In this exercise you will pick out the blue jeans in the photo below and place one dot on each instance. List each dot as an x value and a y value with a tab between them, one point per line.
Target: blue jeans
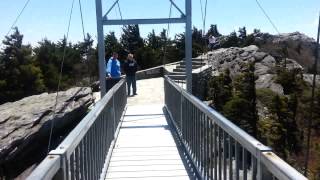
131	81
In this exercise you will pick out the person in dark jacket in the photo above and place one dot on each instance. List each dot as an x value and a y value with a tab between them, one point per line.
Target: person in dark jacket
130	68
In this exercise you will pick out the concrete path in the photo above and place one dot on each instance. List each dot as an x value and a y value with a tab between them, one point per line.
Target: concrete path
150	91
146	148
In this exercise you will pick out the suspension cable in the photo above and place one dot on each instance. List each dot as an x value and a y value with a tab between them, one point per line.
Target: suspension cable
204	19
83	32
267	16
166	39
119	9
17	18
87	52
60	76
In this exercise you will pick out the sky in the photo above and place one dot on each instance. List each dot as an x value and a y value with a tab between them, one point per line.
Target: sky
49	19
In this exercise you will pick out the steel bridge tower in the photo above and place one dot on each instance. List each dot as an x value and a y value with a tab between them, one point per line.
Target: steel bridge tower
102	20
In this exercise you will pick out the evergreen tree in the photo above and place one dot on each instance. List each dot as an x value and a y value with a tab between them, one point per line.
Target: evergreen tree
242	33
256	31
20	76
154	41
281	113
131	39
111	45
213	30
220	90
244	91
47	56
231	40
242	36
88	66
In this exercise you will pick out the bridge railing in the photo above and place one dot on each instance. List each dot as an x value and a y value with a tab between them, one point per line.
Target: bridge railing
85	152
217	148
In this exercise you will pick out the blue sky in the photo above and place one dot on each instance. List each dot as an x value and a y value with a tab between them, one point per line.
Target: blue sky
49	18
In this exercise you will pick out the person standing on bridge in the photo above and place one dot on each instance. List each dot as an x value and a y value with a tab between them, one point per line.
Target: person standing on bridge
113	71
130	68
212	42
113	66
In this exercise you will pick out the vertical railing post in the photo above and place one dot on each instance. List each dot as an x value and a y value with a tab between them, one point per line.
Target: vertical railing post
263	173
114	115
181	112
63	172
101	49
188	45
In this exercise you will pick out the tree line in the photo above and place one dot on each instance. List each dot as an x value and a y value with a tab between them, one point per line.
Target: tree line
27	70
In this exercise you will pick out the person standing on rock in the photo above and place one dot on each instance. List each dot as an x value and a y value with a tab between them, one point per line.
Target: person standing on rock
212	42
130	68
113	71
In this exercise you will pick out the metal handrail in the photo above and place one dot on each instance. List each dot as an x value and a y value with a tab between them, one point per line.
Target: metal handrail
80	155
218	148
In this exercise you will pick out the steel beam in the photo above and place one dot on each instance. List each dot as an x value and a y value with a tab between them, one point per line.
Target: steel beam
105	16
174	4
188	45
143	21
101	49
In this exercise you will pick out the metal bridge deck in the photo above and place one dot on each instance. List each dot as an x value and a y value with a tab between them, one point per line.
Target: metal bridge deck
146	148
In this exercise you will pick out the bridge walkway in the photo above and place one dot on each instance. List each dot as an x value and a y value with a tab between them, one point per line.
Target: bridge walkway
145	147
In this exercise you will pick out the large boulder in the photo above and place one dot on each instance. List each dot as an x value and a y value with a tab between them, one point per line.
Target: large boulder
294	45
26	124
236	60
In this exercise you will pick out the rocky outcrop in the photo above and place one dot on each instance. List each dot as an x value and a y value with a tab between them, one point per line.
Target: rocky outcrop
236	60
295	46
26	124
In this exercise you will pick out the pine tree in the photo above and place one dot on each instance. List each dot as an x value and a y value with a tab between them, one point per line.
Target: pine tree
131	39
220	90
242	36
111	44
154	41
242	33
213	30
244	86
46	55
20	77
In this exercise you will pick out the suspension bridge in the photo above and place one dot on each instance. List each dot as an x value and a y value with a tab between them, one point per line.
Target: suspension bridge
163	133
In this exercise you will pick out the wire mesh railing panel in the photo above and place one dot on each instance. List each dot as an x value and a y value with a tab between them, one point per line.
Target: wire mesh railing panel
84	151
219	149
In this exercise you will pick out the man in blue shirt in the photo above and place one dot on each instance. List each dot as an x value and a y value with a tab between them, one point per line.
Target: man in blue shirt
113	66
113	71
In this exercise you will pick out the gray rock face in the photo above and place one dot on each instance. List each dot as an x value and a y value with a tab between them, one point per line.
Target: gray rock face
236	60
300	47
309	79
25	126
267	81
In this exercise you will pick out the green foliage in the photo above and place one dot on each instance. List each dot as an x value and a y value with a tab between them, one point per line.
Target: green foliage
231	40
242	34
111	44
213	30
147	57
244	89
238	110
220	90
273	133
154	41
131	40
288	80
20	76
266	96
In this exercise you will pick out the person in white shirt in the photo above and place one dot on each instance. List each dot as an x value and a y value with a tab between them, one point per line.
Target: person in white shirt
212	42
